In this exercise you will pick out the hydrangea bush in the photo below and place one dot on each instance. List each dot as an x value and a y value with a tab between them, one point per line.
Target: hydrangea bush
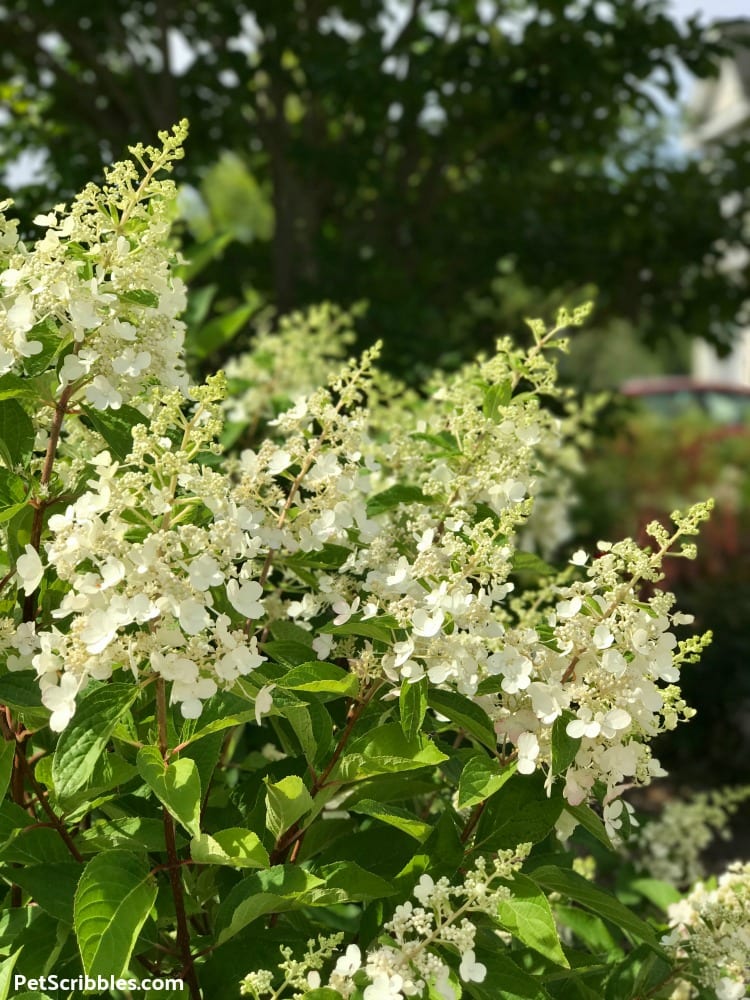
295	704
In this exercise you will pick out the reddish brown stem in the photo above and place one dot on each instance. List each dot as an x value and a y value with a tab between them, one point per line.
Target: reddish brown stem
175	880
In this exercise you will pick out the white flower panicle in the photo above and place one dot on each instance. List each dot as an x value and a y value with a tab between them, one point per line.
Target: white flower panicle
410	959
95	295
710	936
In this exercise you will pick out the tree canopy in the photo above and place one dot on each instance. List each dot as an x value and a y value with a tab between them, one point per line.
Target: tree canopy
400	150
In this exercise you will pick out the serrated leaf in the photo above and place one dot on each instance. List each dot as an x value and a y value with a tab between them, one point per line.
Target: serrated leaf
520	812
374	628
14	494
528	917
480	778
588	928
16	433
116	427
591	822
52	885
358	884
318	677
20	690
661	894
394	816
385	750
288	653
84	741
7	756
576	887
393	496
178	786
16	387
412	705
6	974
275	890
465	714
504	979
564	747
234	847
286	802
529	562
113	900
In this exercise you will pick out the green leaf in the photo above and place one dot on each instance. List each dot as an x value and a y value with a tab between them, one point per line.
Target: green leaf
579	889
286	802
177	786
16	434
116	427
412	704
481	777
520	812
465	714
529	562
528	917
84	741
374	628
356	883
401	819
289	653
48	335
16	387
589	928
7	756
591	823
14	494
393	496
638	975
661	894
504	979
564	747
385	750
496	398
51	885
320	678
113	900
220	330
275	890
235	847
20	690
140	297
6	974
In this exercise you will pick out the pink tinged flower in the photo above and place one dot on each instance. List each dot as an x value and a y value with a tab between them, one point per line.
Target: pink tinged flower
245	598
193	616
205	573
470	970
528	751
427	625
263	702
29	570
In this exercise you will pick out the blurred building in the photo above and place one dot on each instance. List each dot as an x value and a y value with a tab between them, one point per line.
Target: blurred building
719	111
